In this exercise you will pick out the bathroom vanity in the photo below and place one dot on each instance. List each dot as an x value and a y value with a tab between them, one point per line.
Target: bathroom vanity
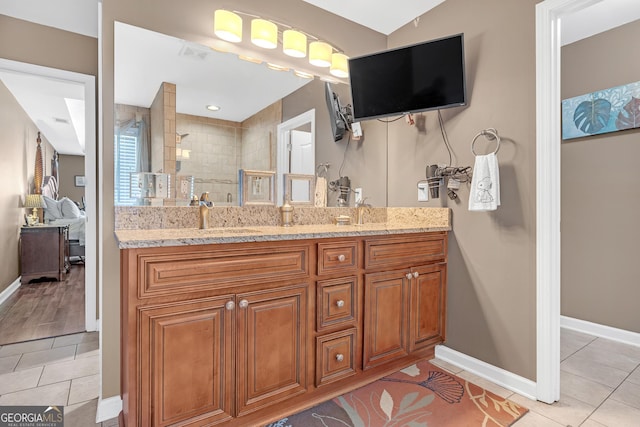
248	326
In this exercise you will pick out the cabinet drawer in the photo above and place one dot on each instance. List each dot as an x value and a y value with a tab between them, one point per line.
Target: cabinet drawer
337	257
336	302
405	251
335	356
188	271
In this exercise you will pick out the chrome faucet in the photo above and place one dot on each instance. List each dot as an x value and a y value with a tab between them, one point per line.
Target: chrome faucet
205	205
360	208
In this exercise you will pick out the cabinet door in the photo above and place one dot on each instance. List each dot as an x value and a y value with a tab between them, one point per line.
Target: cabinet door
272	347
386	298
186	363
428	305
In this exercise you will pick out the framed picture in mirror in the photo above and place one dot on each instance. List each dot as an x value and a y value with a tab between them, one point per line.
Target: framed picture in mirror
299	188
257	187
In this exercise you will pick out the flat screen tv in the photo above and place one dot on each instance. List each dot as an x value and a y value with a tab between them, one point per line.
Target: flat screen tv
425	76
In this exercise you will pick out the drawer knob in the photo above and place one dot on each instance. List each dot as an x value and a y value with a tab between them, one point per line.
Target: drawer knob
340	303
339	357
409	276
230	305
244	303
416	274
341	257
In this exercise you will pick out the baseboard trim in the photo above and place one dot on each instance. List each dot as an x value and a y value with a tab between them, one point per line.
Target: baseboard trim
496	375
602	331
9	290
108	408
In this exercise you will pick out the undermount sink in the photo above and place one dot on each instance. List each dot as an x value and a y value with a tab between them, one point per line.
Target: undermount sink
231	230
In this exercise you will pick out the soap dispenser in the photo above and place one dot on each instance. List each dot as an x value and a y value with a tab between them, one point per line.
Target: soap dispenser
286	213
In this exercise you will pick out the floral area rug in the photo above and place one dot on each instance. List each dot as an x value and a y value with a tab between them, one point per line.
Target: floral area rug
422	395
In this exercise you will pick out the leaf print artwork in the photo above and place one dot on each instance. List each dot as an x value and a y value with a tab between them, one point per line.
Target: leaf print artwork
592	116
629	116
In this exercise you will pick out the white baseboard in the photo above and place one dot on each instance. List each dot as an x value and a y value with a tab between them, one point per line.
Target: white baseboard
108	408
496	375
598	330
4	295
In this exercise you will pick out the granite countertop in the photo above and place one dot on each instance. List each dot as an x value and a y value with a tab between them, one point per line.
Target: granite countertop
193	236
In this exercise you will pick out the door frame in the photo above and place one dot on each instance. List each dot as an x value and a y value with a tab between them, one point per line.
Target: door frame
90	172
284	130
548	98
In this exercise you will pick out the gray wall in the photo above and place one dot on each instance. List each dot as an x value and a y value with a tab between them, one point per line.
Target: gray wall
69	168
491	276
600	202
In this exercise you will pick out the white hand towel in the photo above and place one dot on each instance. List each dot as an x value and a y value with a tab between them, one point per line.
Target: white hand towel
321	192
485	185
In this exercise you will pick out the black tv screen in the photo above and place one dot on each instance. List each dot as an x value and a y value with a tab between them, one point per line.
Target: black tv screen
425	76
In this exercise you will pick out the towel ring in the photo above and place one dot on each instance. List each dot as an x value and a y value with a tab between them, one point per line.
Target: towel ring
490	134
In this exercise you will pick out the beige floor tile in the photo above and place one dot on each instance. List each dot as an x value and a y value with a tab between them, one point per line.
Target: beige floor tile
69	370
533	419
594	371
25	347
635	376
446	366
81	414
592	423
616	414
21	380
487	385
619	360
87	349
572	341
567	411
583	389
45	357
628	393
85	388
616	347
76	339
8	364
53	394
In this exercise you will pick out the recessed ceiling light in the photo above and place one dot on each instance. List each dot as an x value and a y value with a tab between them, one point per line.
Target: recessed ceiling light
213	107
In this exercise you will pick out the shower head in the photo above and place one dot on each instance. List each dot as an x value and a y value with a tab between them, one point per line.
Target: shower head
179	136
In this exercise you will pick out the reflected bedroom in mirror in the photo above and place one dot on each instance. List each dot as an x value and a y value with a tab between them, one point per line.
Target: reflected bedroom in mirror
189	118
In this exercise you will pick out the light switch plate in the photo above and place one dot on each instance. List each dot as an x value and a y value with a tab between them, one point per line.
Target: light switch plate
423	192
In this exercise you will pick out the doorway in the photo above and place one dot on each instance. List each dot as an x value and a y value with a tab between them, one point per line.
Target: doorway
86	85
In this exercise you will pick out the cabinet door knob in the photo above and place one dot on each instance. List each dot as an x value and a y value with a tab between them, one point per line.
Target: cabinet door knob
230	305
339	357
341	257
416	274
243	303
409	276
340	303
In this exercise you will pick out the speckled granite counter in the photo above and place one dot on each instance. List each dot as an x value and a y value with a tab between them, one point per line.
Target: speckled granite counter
397	220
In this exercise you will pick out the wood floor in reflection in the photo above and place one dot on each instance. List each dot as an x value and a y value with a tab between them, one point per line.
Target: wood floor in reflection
44	309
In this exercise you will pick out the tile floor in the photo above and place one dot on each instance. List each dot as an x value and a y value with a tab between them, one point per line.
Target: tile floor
54	371
599	385
600	381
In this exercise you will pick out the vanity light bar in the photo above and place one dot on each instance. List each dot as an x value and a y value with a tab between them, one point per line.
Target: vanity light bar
228	26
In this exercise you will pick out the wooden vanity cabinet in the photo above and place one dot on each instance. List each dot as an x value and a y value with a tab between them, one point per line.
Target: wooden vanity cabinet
247	333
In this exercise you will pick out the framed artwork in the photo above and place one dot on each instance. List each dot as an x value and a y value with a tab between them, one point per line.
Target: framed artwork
79	180
604	111
257	187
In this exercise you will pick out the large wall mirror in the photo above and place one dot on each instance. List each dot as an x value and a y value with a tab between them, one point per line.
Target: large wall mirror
168	145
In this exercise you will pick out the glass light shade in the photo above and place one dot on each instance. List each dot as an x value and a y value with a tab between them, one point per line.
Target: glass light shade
264	33
339	65
320	54
186	154
228	26
294	43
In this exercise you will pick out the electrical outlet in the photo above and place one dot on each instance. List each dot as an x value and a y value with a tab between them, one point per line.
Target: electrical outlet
423	192
358	192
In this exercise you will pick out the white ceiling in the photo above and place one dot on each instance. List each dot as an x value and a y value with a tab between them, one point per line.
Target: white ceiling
80	16
144	59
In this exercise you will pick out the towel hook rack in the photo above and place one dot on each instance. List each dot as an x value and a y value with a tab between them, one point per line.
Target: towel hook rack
322	170
489	133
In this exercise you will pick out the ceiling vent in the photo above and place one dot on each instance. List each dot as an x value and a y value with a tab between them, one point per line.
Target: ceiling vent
59	120
190	50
